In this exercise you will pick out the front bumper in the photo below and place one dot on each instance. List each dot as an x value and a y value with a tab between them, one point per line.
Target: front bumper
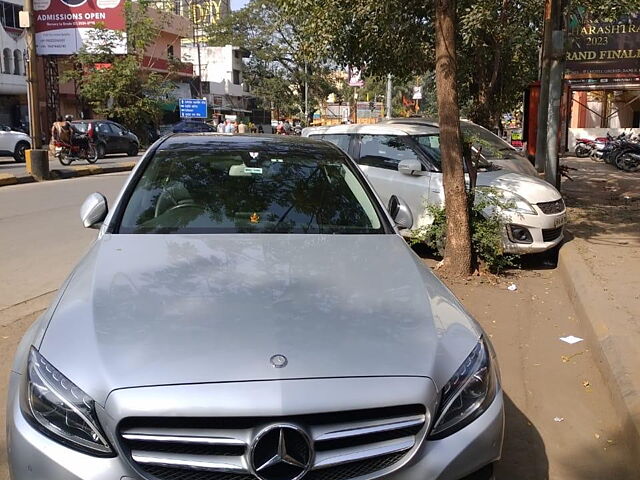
547	231
33	456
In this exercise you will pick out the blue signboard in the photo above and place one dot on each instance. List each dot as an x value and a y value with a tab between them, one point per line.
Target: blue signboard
193	108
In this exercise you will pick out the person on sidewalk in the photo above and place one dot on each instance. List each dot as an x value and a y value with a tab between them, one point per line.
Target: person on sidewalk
220	127
242	128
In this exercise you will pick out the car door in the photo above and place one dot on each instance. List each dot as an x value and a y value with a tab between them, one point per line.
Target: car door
7	140
379	157
120	141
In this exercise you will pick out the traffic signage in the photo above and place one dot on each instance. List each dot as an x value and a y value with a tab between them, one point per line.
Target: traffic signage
193	108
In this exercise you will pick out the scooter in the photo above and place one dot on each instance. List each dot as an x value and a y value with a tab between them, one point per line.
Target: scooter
83	149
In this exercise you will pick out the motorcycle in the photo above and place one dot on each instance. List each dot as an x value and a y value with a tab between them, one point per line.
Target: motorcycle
82	149
585	146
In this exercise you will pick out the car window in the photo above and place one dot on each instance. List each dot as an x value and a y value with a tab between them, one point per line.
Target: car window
280	191
385	151
116	129
81	126
340	141
103	128
430	144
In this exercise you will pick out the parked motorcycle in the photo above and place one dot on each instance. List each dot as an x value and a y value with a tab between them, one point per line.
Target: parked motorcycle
82	149
585	146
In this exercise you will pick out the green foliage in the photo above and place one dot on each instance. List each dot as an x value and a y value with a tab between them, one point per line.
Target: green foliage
116	86
280	50
487	227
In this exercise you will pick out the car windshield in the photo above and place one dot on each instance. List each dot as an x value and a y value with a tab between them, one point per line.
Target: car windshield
492	146
81	126
302	190
430	144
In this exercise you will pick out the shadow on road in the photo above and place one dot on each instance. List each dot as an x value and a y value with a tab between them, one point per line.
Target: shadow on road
524	455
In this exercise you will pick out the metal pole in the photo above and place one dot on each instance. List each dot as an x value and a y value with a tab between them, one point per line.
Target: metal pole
306	95
389	94
543	100
32	80
555	98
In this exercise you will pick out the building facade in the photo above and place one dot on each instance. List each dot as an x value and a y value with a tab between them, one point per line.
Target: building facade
13	85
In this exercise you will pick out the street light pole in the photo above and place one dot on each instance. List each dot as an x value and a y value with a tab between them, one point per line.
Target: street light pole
306	94
389	94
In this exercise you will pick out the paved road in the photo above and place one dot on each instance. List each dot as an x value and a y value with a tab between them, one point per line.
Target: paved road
8	165
42	237
543	378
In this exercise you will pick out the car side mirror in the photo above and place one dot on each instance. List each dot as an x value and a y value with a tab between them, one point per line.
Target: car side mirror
400	213
94	210
410	167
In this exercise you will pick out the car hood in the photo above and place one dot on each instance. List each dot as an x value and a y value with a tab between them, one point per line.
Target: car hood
532	189
143	310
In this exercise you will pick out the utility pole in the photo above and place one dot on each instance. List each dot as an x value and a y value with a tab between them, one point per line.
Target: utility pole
32	76
37	159
543	102
389	94
306	94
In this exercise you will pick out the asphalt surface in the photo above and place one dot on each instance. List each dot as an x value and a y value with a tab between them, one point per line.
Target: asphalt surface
8	165
559	417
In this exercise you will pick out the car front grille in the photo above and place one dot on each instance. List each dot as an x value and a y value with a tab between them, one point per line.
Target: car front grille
361	443
551	234
551	208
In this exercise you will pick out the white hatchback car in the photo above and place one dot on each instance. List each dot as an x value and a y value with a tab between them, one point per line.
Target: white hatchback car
14	143
404	160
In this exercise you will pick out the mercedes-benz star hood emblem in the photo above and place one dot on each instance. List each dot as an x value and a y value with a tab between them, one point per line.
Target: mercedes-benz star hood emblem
281	452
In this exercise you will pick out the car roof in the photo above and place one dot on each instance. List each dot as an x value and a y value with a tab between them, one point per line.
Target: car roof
375	129
189	141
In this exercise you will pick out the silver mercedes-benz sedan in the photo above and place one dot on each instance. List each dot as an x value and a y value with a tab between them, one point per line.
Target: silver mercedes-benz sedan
249	311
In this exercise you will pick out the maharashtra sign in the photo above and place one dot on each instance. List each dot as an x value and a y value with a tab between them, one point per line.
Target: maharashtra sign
64	26
193	108
604	50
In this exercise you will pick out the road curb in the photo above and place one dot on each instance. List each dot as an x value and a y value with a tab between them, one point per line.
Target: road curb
7	179
608	330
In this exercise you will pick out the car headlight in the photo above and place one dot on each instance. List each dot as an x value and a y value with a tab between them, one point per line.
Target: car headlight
467	394
61	410
507	200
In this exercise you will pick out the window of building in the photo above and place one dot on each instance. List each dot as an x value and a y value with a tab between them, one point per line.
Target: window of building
6	61
236	77
17	62
9	14
170	52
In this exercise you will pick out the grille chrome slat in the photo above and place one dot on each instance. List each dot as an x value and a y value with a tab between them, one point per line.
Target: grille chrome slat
353	454
179	437
346	430
212	463
346	444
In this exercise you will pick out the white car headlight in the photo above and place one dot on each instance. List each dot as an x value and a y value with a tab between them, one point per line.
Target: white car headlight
467	394
512	201
61	410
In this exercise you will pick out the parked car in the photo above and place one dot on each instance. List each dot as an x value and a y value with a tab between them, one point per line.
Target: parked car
109	137
188	126
404	160
250	311
487	144
14	143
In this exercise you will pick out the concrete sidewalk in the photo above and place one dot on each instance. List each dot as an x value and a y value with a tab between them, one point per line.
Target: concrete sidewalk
71	171
600	263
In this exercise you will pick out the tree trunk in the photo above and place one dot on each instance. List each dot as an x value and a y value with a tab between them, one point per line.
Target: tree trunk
458	256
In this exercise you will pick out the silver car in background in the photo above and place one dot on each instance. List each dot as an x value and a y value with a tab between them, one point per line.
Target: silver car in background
249	311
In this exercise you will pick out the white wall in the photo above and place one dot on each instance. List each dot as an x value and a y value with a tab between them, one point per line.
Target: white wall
593	133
